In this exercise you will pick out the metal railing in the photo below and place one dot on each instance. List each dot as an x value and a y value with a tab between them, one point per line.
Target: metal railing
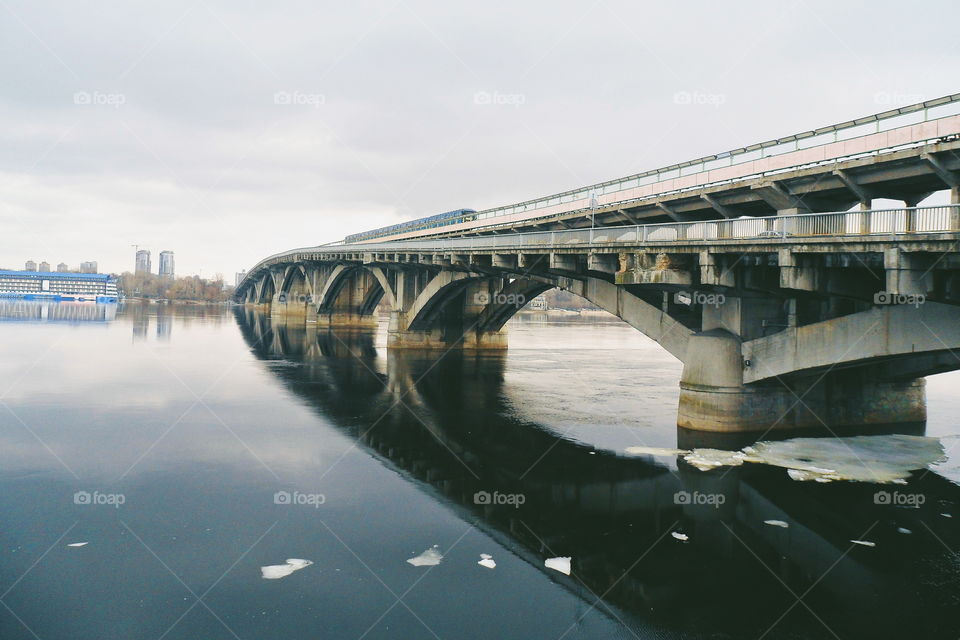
836	224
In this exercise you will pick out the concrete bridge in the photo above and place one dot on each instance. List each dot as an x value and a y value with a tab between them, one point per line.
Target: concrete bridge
809	320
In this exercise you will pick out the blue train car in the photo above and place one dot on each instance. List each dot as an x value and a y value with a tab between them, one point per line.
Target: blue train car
430	222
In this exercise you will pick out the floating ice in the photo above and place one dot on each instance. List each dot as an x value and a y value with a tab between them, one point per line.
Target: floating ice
882	459
486	560
776	523
654	451
277	571
561	564
429	558
706	459
682	537
78	544
946	515
903	530
886	459
865	543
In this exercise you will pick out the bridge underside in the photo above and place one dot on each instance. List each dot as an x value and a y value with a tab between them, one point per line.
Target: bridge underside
772	335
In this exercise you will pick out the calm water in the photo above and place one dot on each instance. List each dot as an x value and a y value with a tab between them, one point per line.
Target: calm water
173	442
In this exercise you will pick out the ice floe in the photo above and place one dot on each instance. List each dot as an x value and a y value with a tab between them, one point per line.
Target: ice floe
486	560
654	451
561	564
865	543
682	537
277	571
78	544
882	459
706	459
776	523
429	558
903	530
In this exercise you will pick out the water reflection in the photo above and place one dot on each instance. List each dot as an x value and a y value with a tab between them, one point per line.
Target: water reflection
51	311
444	424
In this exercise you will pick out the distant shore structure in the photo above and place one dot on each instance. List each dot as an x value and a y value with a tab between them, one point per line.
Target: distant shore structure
166	264
54	285
142	264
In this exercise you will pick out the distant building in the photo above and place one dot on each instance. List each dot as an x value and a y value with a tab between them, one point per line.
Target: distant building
32	285
45	266
539	302
30	266
240	275
166	263
143	261
88	267
63	267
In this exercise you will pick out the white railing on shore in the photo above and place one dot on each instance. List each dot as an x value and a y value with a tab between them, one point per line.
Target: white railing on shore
838	224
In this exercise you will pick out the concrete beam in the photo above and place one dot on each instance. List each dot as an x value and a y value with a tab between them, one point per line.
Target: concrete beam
882	332
861	192
778	197
949	178
723	210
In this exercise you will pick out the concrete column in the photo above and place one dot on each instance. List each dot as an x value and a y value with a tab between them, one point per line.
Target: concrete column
866	217
713	397
955	213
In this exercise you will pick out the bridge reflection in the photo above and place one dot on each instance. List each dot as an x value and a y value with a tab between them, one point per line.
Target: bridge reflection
443	423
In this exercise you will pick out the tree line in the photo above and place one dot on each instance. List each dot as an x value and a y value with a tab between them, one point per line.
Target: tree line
150	285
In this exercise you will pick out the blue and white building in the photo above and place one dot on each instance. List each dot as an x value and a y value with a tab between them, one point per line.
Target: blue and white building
56	285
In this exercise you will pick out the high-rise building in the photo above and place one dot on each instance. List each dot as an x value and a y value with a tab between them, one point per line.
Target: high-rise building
63	267
239	276
166	263
30	266
143	261
88	267
44	266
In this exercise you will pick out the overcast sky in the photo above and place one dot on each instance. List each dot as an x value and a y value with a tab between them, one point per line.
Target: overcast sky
229	130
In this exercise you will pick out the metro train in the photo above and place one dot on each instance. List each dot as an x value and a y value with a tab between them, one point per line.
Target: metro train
420	224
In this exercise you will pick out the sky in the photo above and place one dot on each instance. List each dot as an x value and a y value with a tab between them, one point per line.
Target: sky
229	130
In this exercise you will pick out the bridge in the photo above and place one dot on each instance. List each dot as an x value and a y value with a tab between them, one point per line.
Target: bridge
792	320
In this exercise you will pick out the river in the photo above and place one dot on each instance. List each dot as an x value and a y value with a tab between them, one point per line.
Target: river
161	464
